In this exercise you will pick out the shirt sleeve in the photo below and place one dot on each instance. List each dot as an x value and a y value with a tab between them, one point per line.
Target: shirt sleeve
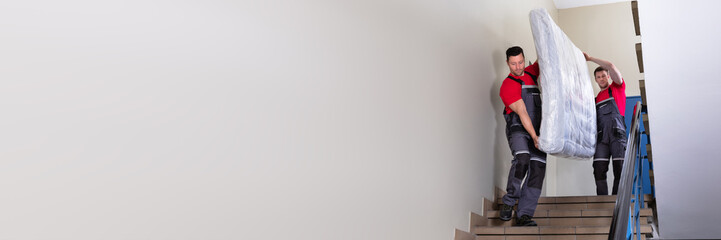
619	93
619	87
533	69
510	92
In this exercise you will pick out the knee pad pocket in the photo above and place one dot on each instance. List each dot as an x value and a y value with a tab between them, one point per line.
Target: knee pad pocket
617	168
538	173
522	161
600	168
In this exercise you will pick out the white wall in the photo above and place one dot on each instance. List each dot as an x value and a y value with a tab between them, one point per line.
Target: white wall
252	120
605	31
564	4
680	41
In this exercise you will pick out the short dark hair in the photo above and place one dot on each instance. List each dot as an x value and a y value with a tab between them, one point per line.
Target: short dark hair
598	69
514	51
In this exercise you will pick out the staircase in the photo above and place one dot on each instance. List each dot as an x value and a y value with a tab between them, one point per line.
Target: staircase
561	218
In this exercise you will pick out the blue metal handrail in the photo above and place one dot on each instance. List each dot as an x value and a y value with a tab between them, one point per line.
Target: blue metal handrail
630	190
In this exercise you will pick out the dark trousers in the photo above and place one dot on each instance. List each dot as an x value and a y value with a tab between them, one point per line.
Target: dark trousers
600	168
529	163
615	150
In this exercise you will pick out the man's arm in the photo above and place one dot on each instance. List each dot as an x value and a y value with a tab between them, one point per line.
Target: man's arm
612	70
519	107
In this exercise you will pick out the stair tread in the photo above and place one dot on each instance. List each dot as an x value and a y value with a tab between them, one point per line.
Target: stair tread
645	212
566	217
560	222
548	237
548	230
576	206
642	87
579	199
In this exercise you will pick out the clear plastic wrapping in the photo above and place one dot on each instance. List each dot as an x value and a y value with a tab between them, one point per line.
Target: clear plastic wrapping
568	128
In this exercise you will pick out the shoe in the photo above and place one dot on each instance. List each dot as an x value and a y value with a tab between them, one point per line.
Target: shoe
525	220
506	212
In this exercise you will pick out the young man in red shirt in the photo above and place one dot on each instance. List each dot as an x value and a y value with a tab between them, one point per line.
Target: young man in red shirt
610	111
522	98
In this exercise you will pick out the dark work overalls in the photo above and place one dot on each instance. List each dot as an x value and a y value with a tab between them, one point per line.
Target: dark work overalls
610	143
527	160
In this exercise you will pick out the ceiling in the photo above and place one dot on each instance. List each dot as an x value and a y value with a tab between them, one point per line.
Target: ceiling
563	4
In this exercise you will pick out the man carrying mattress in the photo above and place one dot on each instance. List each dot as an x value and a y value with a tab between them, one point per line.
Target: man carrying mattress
521	96
611	138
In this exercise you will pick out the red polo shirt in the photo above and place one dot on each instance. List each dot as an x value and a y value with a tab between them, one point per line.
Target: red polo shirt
511	90
619	95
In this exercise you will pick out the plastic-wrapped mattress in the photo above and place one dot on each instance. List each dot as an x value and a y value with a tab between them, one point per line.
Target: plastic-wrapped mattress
568	128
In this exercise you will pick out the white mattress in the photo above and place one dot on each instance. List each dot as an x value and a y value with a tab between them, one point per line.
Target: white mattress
568	128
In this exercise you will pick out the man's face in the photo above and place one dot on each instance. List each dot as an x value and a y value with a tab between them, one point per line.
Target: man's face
602	79
516	64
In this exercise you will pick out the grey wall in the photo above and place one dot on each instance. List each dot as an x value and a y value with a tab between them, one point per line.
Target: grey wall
680	45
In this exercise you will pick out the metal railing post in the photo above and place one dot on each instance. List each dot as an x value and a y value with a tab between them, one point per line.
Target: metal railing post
622	212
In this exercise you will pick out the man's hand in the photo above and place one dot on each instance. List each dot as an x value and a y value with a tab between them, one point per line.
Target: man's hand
612	70
535	141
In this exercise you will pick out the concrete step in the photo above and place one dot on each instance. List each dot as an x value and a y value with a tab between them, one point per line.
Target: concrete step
575	203
573	206
578	199
639	57
541	213
642	87
573	221
645	124
634	13
549	230
548	237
